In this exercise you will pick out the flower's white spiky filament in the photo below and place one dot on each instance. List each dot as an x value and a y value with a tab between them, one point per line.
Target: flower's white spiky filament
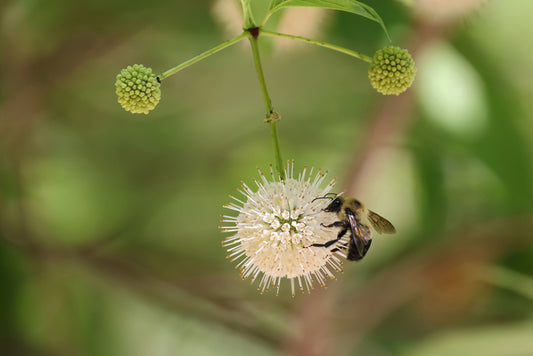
274	227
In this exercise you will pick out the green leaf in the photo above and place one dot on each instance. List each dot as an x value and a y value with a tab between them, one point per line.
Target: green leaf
249	21
352	6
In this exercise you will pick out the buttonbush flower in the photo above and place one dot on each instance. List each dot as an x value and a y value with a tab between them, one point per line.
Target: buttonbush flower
138	89
276	223
392	70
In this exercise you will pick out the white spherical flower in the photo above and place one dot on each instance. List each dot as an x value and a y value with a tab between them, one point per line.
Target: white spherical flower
275	226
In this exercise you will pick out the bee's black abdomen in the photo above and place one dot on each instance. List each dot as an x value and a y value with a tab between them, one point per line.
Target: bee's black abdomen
353	254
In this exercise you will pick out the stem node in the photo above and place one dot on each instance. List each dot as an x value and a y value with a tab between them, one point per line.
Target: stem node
254	31
274	116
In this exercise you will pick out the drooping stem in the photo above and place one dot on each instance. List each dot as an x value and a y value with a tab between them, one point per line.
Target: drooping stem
270	116
319	43
199	57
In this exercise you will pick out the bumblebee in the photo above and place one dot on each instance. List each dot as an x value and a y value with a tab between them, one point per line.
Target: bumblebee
354	216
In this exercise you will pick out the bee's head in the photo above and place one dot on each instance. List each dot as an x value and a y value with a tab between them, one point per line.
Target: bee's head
335	205
336	202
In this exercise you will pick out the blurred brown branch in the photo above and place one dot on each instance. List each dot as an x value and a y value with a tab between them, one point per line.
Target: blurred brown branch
392	120
452	265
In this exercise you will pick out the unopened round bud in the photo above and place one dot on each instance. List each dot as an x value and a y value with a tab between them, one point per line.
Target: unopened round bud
392	70
138	89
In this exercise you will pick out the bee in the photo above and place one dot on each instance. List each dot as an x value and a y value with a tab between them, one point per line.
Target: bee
354	216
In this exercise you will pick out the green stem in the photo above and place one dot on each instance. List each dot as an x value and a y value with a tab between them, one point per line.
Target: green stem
199	57
277	150
268	105
319	43
247	14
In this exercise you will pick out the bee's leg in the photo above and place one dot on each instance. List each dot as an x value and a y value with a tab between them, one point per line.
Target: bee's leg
331	242
343	224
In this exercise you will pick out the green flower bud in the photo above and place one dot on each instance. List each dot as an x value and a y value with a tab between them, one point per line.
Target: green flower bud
392	70
138	89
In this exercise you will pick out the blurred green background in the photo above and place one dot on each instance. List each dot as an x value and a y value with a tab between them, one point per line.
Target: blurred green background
109	240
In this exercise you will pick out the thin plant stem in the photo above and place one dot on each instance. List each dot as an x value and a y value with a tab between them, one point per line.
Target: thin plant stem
247	14
199	57
319	43
270	118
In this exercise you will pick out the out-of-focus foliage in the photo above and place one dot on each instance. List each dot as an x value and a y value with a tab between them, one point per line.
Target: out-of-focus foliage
109	242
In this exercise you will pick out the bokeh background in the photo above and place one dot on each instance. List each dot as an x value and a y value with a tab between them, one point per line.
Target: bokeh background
109	240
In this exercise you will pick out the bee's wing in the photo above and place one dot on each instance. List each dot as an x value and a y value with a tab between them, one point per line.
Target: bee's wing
380	224
357	237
